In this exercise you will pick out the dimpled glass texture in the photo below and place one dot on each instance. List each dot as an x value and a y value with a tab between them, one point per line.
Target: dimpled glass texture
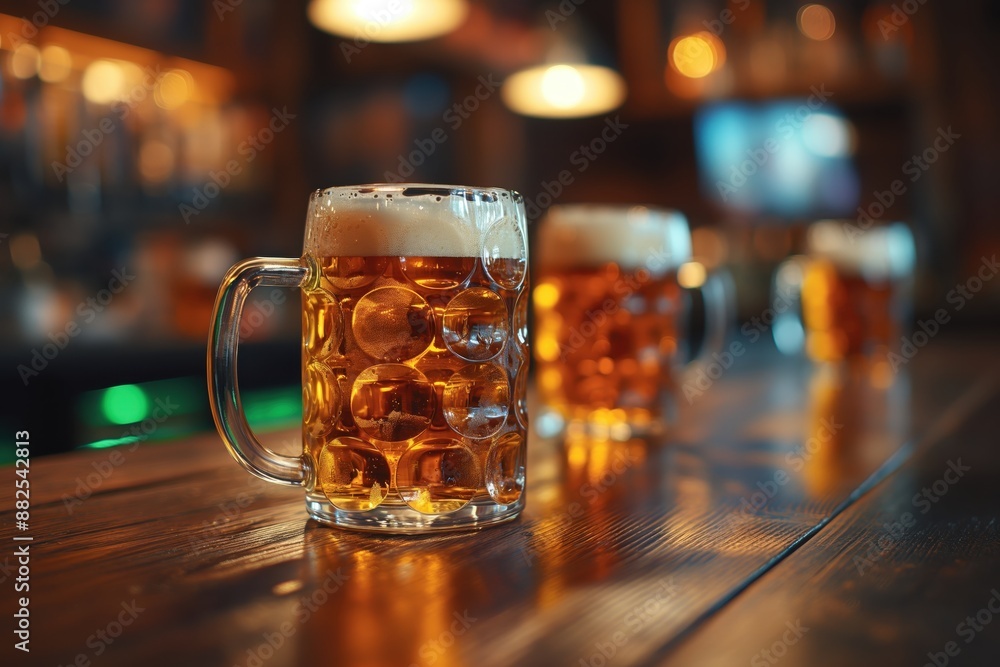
414	361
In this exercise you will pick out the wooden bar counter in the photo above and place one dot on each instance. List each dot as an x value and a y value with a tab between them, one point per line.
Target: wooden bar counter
794	515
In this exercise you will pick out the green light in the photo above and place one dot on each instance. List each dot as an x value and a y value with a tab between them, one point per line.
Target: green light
104	444
273	407
125	404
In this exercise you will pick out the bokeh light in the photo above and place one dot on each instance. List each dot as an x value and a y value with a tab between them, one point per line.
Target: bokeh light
563	86
564	91
696	56
827	135
25	61
57	63
173	89
103	81
816	22
387	20
546	295
25	251
156	161
124	404
710	245
691	275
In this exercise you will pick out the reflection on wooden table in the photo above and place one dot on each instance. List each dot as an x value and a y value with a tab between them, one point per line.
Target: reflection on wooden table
628	551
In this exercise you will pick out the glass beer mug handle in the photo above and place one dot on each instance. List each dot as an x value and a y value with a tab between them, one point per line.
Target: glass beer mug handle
719	296
223	390
788	328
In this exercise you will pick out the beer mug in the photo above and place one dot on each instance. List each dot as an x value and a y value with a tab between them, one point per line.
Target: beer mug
611	318
850	296
414	358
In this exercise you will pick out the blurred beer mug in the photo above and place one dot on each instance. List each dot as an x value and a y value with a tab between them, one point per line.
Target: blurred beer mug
611	318
414	358
850	296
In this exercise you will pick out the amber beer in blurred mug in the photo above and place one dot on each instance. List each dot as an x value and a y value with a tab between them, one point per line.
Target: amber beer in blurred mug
611	318
414	358
850	295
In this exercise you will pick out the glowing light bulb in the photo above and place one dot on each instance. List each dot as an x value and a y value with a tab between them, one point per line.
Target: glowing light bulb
562	86
387	20
564	91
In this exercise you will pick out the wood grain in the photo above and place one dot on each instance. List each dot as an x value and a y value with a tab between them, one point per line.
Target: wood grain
645	539
892	580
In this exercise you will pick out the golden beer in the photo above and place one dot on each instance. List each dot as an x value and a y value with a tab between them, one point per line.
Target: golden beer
414	371
414	358
846	315
855	292
608	316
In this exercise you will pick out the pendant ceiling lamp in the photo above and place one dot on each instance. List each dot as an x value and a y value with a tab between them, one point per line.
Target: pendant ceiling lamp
573	82
388	20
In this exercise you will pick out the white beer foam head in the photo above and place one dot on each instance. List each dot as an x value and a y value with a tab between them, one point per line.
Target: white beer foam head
879	253
632	236
413	219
